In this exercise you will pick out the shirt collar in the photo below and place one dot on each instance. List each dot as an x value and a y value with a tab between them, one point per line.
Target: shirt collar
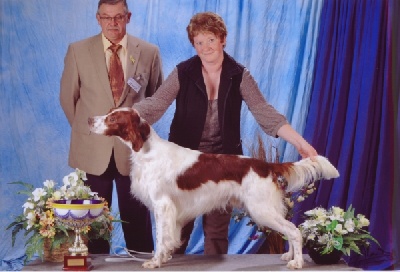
107	43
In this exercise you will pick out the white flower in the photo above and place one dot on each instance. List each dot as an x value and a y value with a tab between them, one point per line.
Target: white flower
28	205
317	212
323	220
82	174
57	195
337	214
320	213
31	216
63	189
310	212
69	194
309	223
311	185
339	229
94	195
323	239
71	179
49	184
311	236
349	225
337	211
38	193
300	199
362	221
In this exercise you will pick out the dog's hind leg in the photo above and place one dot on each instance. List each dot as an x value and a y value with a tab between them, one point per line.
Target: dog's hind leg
274	220
166	234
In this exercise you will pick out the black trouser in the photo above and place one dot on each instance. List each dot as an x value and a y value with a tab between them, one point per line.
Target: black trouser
137	232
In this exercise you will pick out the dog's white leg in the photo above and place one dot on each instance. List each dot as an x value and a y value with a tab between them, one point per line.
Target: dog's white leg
166	240
295	245
288	256
277	222
295	255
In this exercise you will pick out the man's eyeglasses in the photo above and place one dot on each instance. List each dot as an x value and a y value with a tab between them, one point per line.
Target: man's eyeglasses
119	18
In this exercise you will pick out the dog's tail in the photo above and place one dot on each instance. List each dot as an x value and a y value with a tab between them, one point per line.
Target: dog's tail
307	171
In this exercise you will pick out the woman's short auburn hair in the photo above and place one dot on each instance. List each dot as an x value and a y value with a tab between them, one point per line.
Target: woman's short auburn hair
206	22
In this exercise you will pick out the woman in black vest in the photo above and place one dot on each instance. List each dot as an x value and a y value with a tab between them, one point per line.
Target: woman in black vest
209	89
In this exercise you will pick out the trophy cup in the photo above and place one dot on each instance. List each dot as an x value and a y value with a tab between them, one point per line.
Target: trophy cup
77	214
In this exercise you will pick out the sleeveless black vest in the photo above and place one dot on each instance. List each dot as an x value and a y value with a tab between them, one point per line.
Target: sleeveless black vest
192	102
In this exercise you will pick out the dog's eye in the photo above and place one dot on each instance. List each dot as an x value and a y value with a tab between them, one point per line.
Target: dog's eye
112	119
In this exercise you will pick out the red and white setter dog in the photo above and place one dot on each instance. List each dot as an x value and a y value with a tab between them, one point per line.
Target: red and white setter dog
179	184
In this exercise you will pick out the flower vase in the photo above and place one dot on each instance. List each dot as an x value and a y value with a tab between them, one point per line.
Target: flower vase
55	254
330	258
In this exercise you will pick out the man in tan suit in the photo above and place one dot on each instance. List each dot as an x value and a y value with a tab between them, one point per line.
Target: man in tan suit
85	91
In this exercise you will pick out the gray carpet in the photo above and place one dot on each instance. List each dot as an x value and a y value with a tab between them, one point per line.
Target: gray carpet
244	262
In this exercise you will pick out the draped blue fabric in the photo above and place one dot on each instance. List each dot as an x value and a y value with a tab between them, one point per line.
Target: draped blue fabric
338	51
350	118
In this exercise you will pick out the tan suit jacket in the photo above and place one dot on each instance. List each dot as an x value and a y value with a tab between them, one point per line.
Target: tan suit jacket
85	91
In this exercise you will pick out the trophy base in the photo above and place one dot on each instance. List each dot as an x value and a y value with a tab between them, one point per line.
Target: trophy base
77	263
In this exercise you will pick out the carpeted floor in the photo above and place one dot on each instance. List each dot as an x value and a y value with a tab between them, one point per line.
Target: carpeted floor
244	262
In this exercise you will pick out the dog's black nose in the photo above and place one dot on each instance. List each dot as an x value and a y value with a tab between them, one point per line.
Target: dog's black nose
90	121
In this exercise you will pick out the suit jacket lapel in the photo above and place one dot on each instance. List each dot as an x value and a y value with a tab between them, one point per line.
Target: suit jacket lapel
99	60
133	54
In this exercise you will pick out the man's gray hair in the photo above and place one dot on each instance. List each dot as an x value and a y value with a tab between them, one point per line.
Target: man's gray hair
112	2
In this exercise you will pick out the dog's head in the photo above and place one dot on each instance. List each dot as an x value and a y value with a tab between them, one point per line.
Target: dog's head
124	123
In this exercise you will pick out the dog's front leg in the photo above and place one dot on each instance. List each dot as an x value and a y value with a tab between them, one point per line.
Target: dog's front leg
165	218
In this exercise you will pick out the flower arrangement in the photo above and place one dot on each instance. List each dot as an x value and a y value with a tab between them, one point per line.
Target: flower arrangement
38	219
335	229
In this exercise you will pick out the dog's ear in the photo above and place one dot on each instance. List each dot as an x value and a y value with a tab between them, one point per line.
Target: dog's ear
144	130
139	131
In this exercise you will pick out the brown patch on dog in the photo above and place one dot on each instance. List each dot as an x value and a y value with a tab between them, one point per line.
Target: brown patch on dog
128	126
218	168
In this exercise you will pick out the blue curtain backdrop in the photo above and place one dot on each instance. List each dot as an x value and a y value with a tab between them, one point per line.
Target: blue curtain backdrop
329	66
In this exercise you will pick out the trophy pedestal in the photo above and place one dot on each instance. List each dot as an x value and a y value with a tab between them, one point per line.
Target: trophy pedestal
77	214
77	263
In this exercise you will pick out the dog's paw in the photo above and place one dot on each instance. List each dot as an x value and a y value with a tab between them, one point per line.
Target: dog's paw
151	264
166	258
295	264
287	256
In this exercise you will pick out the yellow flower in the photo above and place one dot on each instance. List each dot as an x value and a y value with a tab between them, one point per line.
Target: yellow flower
86	229
49	233
289	202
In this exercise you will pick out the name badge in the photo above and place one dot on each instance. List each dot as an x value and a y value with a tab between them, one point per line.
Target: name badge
134	84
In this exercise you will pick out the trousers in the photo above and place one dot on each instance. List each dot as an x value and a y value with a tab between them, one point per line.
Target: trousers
136	227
